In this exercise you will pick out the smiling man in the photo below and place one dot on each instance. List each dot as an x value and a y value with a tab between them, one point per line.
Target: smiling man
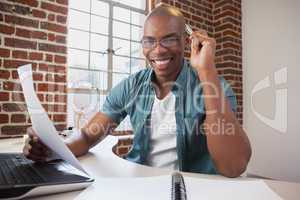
181	112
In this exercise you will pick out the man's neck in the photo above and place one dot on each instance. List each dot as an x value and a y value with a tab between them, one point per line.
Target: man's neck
162	92
165	84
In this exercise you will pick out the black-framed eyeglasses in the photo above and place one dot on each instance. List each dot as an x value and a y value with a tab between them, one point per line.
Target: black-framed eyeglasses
149	43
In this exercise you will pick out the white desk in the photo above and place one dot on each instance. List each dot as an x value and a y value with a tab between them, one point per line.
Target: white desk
102	162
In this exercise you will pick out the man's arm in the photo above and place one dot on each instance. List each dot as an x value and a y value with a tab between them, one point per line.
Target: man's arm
95	131
228	144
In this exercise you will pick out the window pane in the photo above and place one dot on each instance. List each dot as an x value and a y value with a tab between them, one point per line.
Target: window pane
80	5
75	76
121	30
137	4
99	43
121	64
99	8
78	39
136	33
79	20
99	79
78	58
121	14
84	102
137	65
136	50
98	61
121	47
118	78
137	18
99	25
86	79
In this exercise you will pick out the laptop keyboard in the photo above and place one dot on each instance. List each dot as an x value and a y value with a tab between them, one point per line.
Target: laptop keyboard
19	170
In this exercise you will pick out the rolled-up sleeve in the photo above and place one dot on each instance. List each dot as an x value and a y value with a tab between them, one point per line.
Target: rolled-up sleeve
116	101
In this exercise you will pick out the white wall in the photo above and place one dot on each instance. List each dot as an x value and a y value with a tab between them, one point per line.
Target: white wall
271	41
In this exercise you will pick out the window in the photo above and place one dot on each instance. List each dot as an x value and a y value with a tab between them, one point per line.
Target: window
103	43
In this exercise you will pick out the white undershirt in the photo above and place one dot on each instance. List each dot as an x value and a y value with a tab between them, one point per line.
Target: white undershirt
163	134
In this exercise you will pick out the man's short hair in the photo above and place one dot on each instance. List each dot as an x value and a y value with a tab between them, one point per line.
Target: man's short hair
163	9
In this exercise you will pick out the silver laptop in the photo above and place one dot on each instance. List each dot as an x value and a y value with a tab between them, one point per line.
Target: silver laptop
20	177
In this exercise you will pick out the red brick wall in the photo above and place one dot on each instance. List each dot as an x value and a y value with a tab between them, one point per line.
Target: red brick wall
228	33
124	144
222	20
32	31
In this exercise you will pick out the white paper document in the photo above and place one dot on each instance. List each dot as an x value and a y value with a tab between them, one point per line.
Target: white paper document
150	188
206	189
41	123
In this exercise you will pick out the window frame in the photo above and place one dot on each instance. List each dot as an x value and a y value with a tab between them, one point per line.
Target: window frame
110	51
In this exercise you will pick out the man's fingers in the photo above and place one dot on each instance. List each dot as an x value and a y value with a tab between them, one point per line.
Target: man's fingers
30	149
199	36
36	158
202	37
38	147
197	39
202	32
38	152
34	140
28	152
195	46
35	150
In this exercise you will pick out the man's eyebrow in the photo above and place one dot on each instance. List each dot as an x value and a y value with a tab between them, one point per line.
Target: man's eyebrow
170	35
166	36
148	38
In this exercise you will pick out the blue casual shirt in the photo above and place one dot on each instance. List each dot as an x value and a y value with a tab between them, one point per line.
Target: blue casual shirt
134	96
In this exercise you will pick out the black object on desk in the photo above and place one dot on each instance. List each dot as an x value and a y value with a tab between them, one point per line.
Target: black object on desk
20	177
178	187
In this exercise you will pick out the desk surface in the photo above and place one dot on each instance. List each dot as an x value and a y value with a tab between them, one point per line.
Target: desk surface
102	162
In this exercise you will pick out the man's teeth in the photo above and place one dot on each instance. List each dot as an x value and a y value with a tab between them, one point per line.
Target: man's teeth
162	62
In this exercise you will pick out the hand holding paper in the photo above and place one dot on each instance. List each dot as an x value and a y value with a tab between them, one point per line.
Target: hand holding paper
41	123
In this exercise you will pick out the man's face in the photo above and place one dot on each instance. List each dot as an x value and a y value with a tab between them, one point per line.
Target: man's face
165	57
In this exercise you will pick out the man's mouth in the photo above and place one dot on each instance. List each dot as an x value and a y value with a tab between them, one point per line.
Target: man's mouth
161	63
